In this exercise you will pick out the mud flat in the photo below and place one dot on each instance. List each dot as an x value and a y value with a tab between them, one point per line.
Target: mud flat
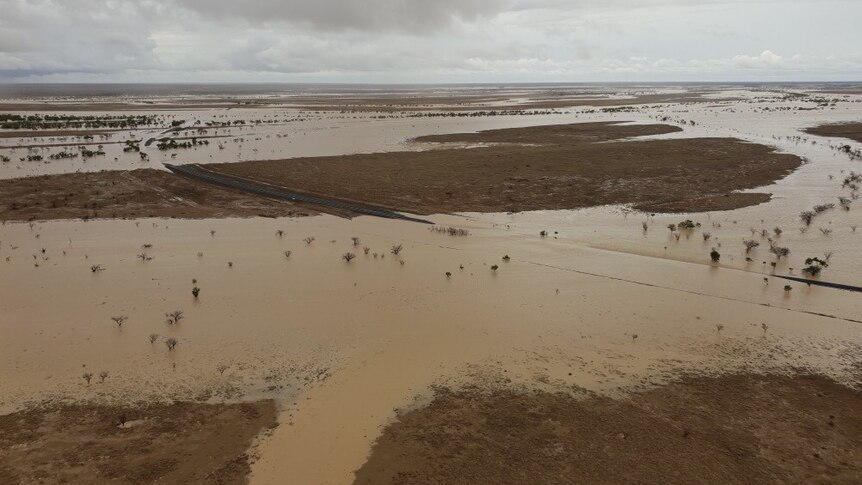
150	443
852	131
551	167
730	429
130	194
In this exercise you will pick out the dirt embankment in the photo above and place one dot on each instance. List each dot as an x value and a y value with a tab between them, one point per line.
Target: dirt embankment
852	131
546	167
159	443
129	194
727	430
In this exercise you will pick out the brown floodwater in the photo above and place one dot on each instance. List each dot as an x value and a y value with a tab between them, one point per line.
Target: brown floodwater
597	304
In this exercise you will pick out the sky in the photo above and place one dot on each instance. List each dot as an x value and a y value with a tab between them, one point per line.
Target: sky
430	41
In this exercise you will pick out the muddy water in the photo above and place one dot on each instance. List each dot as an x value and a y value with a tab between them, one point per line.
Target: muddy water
597	304
283	132
343	344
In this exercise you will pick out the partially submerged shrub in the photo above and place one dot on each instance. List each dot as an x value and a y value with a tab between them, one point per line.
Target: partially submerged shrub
120	320
96	268
813	266
171	343
749	245
715	255
196	291
687	225
396	250
779	251
88	376
348	256
494	267
174	317
153	337
102	376
309	240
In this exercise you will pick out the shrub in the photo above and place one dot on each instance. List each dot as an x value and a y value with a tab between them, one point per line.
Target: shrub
807	217
749	245
174	317
814	266
687	224
779	251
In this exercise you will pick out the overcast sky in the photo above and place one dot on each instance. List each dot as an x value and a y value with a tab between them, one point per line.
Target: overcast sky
429	40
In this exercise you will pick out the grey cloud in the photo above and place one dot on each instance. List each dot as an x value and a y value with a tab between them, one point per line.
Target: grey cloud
378	15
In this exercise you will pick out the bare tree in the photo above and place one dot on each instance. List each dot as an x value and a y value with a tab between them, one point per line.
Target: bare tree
174	317
749	245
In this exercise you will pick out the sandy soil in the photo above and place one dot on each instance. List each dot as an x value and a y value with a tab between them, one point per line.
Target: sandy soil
731	429
549	167
852	131
129	194
152	443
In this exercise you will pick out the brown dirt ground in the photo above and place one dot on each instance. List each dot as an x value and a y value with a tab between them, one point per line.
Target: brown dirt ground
566	168
852	131
130	194
171	443
727	430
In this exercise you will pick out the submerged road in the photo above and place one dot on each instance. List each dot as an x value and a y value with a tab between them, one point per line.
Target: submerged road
200	173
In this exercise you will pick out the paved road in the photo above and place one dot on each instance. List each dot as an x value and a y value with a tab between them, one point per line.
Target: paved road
200	173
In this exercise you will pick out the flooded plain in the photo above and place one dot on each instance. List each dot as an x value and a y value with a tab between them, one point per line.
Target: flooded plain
604	299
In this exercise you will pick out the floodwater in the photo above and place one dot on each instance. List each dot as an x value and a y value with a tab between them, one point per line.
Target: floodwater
598	303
